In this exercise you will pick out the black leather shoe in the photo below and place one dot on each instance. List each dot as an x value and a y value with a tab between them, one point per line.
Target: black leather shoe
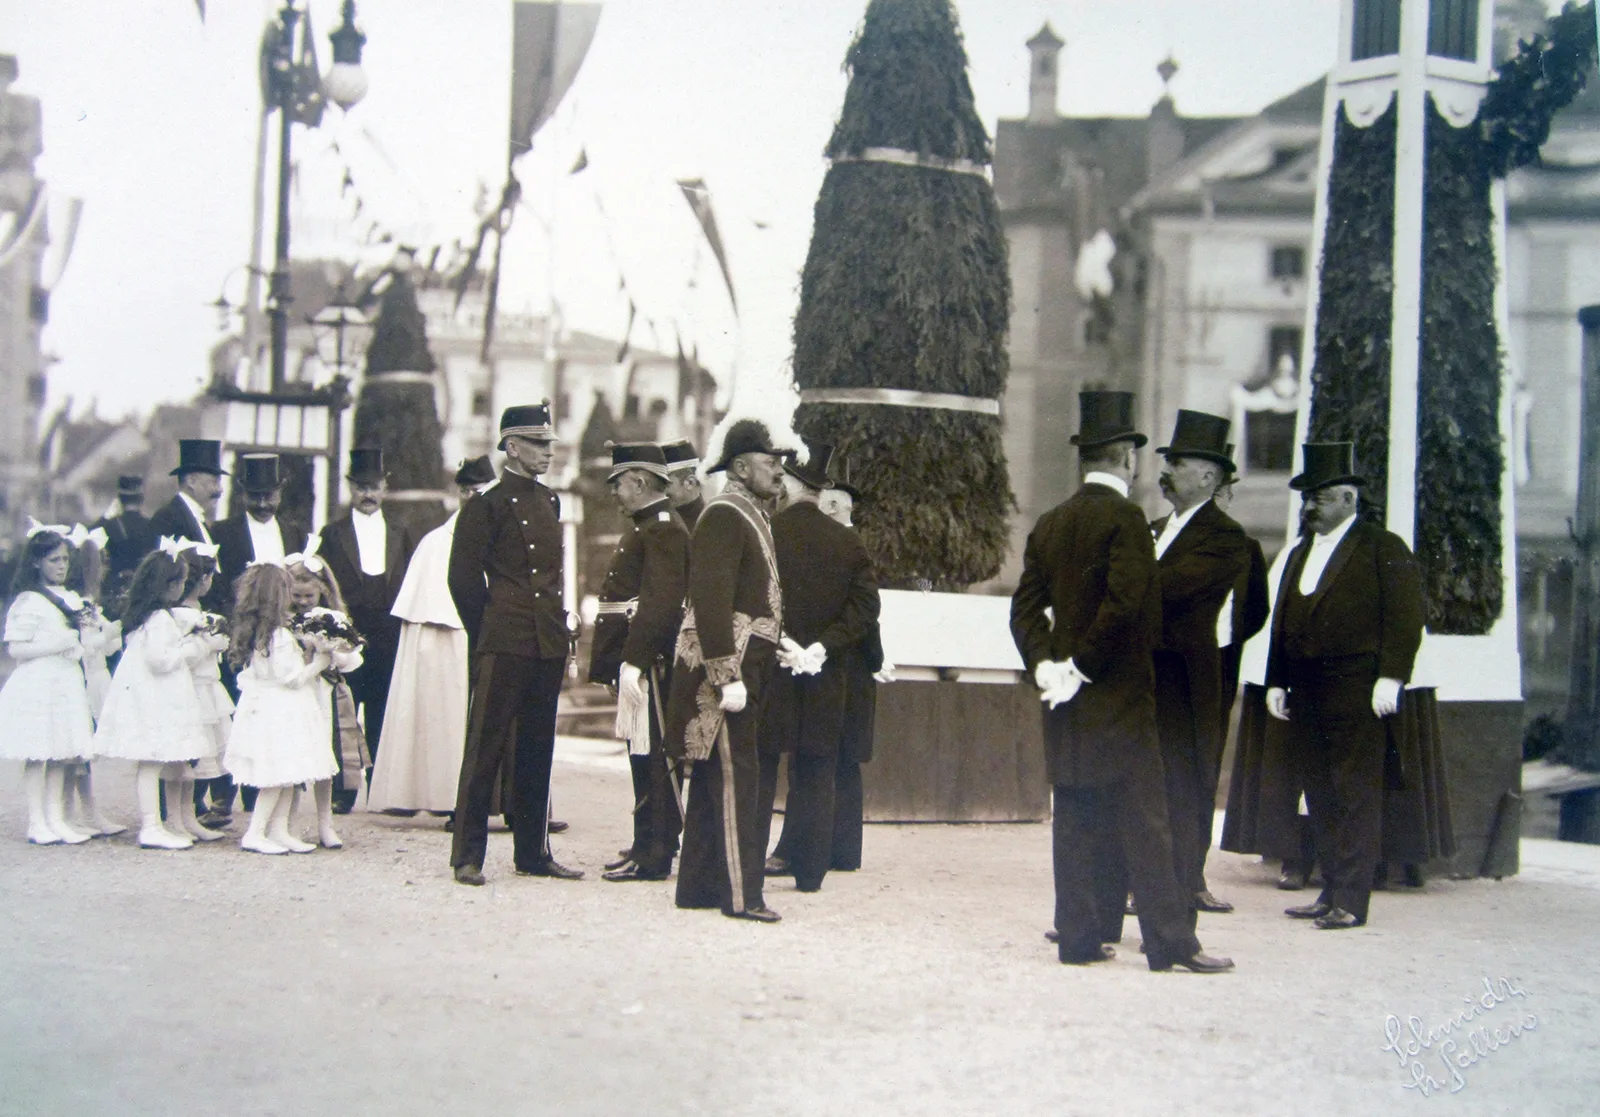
550	867
1103	954
759	915
1205	901
1412	876
631	871
557	827
1197	963
1052	936
777	867
1337	919
450	825
1309	911
343	806
807	886
626	858
1291	880
470	874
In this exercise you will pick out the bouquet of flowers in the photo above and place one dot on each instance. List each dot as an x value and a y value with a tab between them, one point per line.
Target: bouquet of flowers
323	630
212	624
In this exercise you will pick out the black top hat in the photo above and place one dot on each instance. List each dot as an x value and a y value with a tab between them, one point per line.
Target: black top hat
637	455
816	472
1199	435
680	455
366	465
1327	463
478	471
199	455
1105	417
530	420
260	473
130	484
746	436
1233	470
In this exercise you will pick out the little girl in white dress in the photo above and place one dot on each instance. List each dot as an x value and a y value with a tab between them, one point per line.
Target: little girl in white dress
44	706
280	734
210	639
101	638
152	715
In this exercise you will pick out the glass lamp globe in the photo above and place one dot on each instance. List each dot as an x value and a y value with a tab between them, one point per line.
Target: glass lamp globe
345	84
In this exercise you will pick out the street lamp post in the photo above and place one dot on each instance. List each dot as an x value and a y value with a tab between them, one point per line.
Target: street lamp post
293	89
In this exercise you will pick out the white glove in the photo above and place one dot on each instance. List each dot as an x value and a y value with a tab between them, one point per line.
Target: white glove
1385	697
1278	703
816	656
628	681
1066	692
884	674
734	696
1049	675
790	655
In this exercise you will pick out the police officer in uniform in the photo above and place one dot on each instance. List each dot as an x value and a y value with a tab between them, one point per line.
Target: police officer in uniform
505	580
683	480
641	606
128	534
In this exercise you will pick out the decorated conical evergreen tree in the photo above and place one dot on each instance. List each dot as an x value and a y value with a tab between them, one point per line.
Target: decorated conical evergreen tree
905	290
396	409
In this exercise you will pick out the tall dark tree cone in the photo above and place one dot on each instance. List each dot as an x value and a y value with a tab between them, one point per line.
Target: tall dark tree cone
906	287
400	414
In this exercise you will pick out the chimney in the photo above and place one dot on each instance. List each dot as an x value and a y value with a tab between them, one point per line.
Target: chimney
1043	49
1163	138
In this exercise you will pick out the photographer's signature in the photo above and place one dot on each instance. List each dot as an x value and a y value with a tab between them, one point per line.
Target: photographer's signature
1458	1043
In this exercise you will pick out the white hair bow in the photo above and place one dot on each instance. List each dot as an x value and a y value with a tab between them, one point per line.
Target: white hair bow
79	535
205	550
172	548
311	562
35	528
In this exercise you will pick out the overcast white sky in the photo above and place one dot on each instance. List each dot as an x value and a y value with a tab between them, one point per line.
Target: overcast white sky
151	116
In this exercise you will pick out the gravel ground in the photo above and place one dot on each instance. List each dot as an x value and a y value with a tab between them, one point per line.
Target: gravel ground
366	981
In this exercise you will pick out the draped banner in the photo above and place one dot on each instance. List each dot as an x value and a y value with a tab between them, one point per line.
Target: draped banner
548	44
698	195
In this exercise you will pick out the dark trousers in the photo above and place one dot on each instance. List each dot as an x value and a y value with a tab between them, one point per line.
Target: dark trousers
724	857
1189	802
1231	657
512	709
1336	744
848	812
656	819
369	686
1091	827
808	814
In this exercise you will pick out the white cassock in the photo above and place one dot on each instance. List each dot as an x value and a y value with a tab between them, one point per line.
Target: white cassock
425	722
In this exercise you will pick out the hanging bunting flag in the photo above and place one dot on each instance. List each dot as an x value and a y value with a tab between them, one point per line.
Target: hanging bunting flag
548	44
582	163
696	193
627	334
201	6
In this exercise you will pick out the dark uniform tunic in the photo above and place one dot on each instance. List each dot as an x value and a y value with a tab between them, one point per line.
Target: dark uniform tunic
690	511
650	570
129	537
505	580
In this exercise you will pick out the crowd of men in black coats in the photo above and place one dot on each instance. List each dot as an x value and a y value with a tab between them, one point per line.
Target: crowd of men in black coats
1131	630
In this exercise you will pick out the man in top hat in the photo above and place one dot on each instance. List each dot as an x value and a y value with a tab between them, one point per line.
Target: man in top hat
1345	630
505	580
641	607
1092	563
683	480
199	475
368	556
726	651
128	534
830	603
256	534
1201	553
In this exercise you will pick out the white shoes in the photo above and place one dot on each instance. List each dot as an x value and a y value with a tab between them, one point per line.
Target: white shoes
254	844
159	837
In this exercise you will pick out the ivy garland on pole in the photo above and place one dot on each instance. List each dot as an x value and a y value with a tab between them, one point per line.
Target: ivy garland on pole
1460	459
1350	367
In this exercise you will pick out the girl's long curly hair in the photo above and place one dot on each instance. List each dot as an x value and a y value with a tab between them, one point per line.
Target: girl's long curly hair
151	590
199	566
260	608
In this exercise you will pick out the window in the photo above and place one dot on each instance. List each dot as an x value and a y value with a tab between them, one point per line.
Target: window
1269	441
1288	262
1283	341
1453	29
1376	30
